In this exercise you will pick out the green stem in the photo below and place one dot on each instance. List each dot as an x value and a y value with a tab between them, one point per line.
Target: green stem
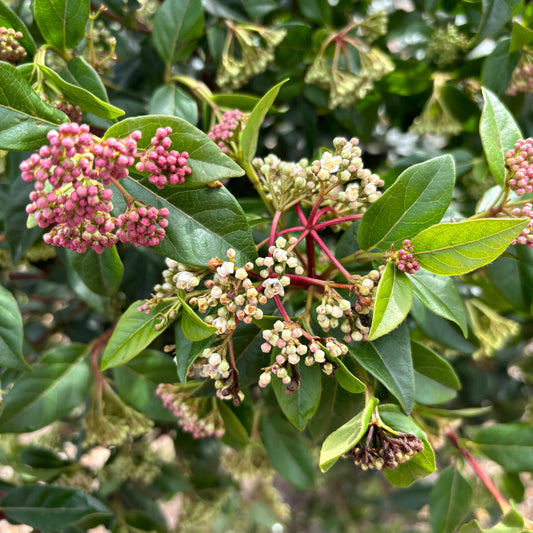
254	178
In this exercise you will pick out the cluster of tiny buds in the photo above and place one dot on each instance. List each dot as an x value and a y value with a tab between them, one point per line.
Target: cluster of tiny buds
405	260
164	166
519	163
72	111
139	225
378	449
526	235
447	45
227	130
176	276
522	77
281	256
10	49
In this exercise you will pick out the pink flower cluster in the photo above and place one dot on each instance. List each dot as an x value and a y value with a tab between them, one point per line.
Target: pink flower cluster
405	260
519	163
526	235
164	166
70	176
227	129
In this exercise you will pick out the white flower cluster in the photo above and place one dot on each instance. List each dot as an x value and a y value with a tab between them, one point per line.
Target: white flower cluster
176	277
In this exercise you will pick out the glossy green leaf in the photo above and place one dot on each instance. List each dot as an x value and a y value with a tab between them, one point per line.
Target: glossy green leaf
439	294
394	298
499	132
467	412
418	198
9	19
435	379
78	72
510	445
288	451
520	37
300	406
236	434
24	118
186	350
494	14
345	437
102	273
244	102
135	331
11	332
250	133
389	360
138	379
85	99
422	464
171	100
58	384
453	249
62	22
178	24
194	328
51	507
346	379
449	501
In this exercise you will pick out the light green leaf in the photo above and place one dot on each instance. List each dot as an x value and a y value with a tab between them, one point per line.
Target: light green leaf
418	198
346	379
171	100
11	332
135	331
499	132
453	249
520	37
393	301
345	437
194	328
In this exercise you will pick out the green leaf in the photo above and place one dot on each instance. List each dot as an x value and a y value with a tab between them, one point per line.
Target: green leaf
389	360
244	102
236	435
51	507
194	328
62	22
520	37
499	132
186	350
24	118
422	464
288	451
300	406
57	385
78	72
345	437
497	70
510	445
138	379
494	14
511	522
250	133
86	100
417	199
134	332
346	379
9	19
453	249
206	160
11	332
178	25
171	100
394	298
439	294
435	379
102	273
449	501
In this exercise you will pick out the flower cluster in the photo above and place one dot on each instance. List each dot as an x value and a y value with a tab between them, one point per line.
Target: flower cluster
164	166
522	77
255	50
191	412
100	52
404	258
227	130
519	163
447	45
139	225
526	235
379	449
10	49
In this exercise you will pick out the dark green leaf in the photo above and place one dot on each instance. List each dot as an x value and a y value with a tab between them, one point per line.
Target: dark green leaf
78	72
56	386
258	8
498	67
62	22
178	25
37	457
389	360
453	249
417	199
347	380
102	273
171	100
9	19
24	118
193	327
236	434
449	501
51	507
288	451
345	437
316	10
494	14
11	332
135	331
393	301
499	132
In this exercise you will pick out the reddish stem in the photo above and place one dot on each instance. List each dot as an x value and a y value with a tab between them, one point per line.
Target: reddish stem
331	257
319	214
334	221
95	352
305	281
310	250
300	214
290	230
502	502
300	238
281	309
275	220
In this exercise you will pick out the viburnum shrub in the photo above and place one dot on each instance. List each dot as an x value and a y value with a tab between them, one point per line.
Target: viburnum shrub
303	305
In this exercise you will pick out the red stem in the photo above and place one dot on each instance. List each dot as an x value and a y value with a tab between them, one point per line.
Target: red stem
290	230
502	502
281	309
331	257
334	221
300	214
320	213
275	220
